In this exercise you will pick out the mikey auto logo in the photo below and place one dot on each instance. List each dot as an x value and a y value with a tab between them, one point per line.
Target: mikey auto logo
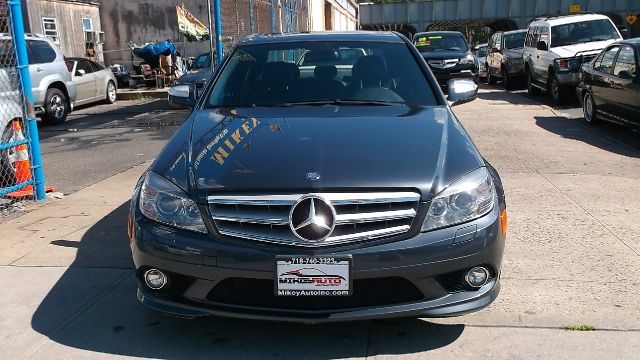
310	276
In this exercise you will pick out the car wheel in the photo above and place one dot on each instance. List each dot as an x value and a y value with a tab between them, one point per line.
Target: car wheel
55	107
556	91
111	93
491	80
531	89
7	158
506	81
589	108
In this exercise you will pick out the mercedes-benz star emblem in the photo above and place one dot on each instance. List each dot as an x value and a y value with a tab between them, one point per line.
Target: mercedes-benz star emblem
313	175
312	218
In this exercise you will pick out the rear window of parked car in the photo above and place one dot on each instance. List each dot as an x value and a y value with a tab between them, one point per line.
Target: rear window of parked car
268	75
436	42
39	52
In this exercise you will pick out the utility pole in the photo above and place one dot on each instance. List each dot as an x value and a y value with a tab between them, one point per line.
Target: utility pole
212	60
218	22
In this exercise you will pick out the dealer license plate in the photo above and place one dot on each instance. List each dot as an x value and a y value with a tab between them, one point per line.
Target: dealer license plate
313	276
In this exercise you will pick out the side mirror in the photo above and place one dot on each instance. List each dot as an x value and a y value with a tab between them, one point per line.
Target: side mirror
626	74
461	91
541	45
80	72
182	96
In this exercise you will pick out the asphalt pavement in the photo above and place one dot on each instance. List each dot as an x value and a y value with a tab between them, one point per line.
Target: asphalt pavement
571	259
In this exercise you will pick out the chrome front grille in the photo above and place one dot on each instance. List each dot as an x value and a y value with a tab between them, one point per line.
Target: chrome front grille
443	64
358	216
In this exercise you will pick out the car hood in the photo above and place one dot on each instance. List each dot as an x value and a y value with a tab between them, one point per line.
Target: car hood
201	75
438	55
353	148
584	48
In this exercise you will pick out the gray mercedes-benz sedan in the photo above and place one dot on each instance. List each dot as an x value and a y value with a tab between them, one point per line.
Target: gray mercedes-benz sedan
345	190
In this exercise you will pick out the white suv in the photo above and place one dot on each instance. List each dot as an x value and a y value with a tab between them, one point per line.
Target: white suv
556	47
54	93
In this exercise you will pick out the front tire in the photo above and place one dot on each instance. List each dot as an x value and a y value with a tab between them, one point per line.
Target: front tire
531	89
558	93
589	108
506	81
55	107
111	93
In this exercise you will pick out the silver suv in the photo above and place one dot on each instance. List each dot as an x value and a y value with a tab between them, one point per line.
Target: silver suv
53	91
556	47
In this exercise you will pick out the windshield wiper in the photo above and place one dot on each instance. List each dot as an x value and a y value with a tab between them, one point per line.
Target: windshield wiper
344	102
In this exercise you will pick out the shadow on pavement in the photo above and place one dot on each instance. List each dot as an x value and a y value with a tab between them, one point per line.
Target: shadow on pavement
607	136
93	307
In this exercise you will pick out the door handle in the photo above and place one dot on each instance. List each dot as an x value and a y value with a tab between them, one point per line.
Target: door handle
39	69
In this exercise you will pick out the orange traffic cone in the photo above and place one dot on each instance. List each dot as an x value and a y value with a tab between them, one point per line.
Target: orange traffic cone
22	165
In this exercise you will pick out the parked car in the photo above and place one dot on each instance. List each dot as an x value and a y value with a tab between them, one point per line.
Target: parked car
504	57
195	79
277	201
556	47
10	108
93	82
610	87
448	55
54	92
480	52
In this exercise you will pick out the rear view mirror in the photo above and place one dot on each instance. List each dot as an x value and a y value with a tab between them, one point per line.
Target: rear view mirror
541	45
182	96
461	91
626	74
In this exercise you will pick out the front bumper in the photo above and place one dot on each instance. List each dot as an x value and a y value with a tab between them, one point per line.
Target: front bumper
458	72
568	78
515	70
203	270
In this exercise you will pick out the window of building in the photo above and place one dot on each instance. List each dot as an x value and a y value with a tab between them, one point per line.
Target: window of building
50	28
86	24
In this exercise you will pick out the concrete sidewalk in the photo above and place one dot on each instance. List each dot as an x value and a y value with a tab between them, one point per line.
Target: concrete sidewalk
571	259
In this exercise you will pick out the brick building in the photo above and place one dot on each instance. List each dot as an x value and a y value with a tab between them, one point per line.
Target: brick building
144	21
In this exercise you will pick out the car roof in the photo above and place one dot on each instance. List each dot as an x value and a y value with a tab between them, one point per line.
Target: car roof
439	33
567	19
380	36
513	31
635	42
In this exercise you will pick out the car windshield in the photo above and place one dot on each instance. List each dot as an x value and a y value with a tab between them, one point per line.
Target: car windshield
440	42
514	41
201	62
267	74
481	51
346	57
583	32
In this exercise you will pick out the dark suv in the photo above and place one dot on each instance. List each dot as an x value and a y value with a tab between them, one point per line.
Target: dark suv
504	57
312	196
448	55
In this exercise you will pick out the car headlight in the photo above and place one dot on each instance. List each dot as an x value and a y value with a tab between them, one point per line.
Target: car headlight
468	198
164	202
469	59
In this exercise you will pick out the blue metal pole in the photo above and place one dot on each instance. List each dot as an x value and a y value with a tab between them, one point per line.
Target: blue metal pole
251	26
17	31
218	21
273	17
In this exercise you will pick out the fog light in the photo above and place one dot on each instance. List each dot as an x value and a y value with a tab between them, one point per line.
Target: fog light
155	279
477	277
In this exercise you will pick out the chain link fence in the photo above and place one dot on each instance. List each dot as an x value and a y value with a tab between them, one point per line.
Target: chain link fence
16	181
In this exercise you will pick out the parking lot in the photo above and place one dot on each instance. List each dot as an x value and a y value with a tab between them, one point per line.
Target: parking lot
571	259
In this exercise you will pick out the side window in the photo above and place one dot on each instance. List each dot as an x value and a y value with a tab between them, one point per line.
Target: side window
39	52
625	62
606	64
597	63
544	35
95	66
84	65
